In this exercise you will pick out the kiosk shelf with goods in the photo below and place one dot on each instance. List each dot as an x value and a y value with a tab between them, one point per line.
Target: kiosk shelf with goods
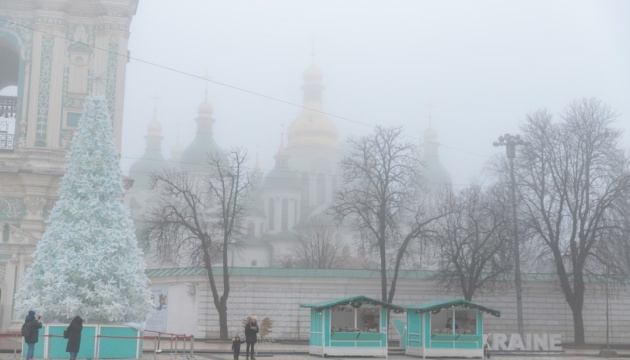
446	328
352	326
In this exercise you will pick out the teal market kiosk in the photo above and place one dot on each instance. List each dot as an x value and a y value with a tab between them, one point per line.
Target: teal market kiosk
351	326
446	328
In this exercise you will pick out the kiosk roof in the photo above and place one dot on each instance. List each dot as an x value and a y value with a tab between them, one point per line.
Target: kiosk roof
436	305
355	301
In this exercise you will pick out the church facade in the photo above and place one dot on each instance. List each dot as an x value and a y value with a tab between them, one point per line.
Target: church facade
53	54
301	186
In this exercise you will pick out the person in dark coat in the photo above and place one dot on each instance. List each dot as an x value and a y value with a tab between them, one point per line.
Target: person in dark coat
74	336
236	346
251	331
33	337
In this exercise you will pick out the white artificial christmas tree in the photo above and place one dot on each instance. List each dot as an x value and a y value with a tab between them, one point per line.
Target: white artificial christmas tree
88	262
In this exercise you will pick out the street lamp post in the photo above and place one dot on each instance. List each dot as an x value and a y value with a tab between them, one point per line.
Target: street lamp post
510	142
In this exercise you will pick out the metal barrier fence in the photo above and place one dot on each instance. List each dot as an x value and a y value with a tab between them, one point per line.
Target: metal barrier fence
178	344
173	341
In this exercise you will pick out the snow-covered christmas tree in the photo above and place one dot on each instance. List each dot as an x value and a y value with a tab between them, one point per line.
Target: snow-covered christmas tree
88	262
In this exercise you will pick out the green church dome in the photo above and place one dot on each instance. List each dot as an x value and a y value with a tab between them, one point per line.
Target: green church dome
282	178
197	154
151	162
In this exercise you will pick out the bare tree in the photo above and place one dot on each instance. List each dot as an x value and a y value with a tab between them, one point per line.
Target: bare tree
317	247
472	239
381	195
570	176
198	217
616	231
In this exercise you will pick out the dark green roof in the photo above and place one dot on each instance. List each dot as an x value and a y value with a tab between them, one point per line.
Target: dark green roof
151	162
343	273
281	272
354	301
175	272
195	157
434	173
282	178
437	305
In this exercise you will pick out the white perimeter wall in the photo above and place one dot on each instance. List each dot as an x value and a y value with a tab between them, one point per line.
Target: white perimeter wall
544	307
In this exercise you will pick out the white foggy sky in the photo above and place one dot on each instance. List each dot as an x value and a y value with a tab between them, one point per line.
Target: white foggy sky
483	65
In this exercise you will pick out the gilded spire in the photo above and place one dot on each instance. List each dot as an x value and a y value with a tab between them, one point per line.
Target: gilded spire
154	130
312	127
205	111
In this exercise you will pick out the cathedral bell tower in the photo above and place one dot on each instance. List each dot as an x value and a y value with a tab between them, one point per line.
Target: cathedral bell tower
53	53
58	52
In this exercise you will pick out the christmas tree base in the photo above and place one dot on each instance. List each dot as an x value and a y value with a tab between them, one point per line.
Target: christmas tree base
98	341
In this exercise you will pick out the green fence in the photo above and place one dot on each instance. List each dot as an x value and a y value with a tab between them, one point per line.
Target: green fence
97	341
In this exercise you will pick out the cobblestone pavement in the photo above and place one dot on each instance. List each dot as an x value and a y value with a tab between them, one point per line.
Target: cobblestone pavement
290	351
295	356
227	356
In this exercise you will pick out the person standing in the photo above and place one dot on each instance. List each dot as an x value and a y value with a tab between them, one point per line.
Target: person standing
73	332
33	334
236	346
251	331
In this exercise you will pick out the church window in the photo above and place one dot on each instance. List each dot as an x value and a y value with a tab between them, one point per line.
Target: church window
272	214
321	189
285	214
305	189
6	232
251	228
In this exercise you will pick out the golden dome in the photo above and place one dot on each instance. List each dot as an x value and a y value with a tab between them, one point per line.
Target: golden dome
205	109
312	75
154	128
431	135
313	128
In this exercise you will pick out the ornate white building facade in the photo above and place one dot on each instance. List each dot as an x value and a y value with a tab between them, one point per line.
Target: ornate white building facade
53	53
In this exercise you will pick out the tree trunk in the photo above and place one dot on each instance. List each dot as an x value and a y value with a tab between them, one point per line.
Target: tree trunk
383	277
578	325
223	325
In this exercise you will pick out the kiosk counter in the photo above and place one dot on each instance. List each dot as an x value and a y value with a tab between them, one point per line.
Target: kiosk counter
448	328
352	326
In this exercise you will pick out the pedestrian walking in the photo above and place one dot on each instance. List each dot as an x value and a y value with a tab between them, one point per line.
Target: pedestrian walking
251	336
73	334
30	331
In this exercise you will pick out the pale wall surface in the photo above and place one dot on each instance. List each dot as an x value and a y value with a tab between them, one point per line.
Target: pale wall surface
277	293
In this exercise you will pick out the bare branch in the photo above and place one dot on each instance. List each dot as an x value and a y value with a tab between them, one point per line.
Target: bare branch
198	217
570	178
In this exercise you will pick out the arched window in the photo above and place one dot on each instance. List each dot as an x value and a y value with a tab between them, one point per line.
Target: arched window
321	189
251	228
272	214
285	214
305	190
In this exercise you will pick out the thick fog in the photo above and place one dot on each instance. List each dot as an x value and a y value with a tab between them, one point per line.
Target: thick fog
475	68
